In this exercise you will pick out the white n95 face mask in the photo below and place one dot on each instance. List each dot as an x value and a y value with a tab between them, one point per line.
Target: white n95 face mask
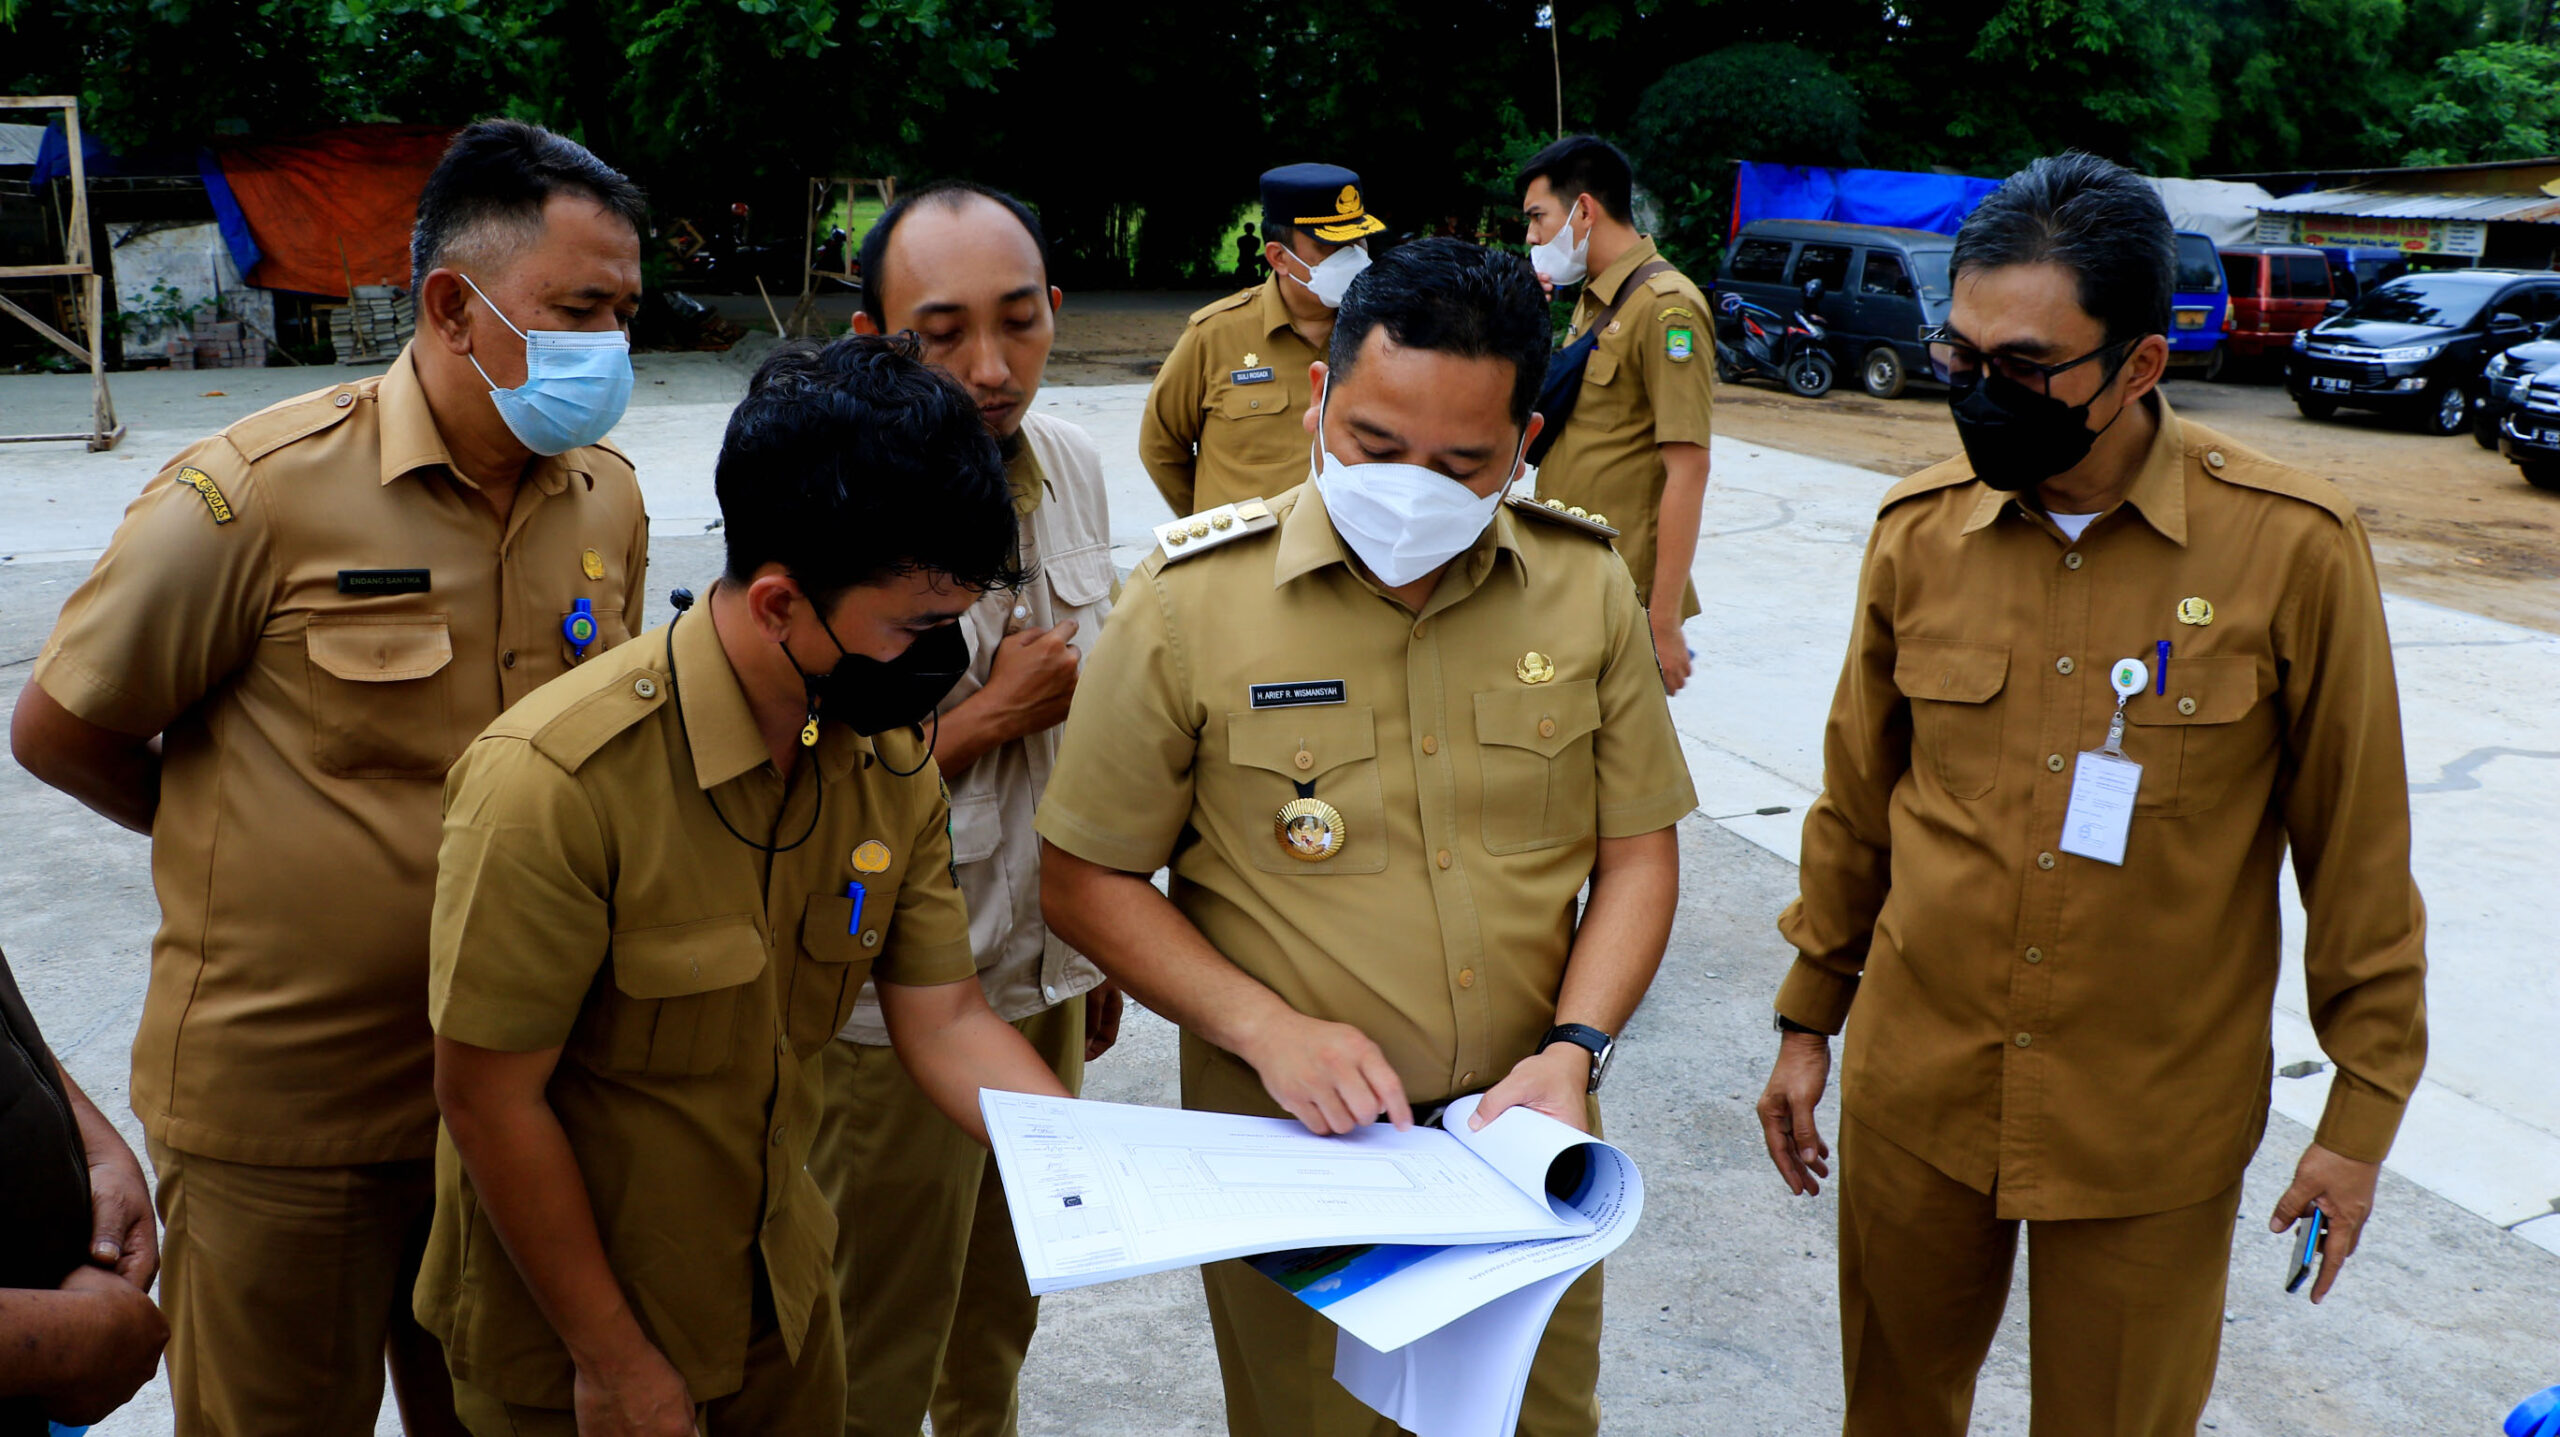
1401	519
1563	259
1331	280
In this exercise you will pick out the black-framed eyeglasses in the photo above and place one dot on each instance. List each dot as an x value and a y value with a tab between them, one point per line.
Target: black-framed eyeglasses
1950	358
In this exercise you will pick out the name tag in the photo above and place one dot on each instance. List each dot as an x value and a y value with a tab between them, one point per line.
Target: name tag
382	581
1282	696
2100	816
1250	376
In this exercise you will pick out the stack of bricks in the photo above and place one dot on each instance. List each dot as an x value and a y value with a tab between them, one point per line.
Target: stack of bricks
217	344
373	325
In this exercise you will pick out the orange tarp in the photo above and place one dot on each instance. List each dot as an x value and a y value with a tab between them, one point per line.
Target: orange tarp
305	197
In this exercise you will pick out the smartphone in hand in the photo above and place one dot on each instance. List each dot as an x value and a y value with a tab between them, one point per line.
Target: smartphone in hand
2306	1252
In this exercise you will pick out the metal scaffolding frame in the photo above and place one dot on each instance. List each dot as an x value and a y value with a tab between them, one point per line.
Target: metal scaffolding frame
104	428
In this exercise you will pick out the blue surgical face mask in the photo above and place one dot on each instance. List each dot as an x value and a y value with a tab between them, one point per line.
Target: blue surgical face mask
576	385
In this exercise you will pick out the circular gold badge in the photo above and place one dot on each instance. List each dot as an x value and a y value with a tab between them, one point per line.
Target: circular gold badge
2198	612
1310	829
1535	668
591	564
871	857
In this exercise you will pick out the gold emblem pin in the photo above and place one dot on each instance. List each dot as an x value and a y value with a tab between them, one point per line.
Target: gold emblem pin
1535	668
871	857
2198	612
1251	360
1578	512
1556	504
1199	529
1222	522
1596	517
1176	539
1310	829
593	563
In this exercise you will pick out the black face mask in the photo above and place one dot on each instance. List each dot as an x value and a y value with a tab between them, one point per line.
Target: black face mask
871	697
2016	437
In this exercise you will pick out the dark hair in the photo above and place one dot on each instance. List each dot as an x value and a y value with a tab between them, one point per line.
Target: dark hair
495	178
1456	298
2094	218
1586	165
949	195
850	462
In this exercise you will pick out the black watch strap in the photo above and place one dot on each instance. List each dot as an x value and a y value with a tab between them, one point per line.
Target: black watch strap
1591	1040
1786	1024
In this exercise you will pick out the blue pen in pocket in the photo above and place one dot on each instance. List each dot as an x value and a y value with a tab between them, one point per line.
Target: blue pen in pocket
2160	670
853	924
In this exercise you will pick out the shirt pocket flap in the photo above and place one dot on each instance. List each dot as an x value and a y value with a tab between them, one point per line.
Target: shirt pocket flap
1950	670
1253	401
2219	689
1544	718
1600	368
826	928
1081	578
686	958
977	827
1329	737
379	648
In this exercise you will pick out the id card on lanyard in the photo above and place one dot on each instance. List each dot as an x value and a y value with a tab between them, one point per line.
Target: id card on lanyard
2104	782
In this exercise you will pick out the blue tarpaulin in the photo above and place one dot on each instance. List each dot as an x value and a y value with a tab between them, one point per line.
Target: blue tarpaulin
53	162
1866	197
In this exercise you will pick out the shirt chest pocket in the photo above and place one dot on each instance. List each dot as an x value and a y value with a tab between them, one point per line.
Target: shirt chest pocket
380	706
1601	370
1080	579
2193	741
1541	778
1255	404
678	994
1956	711
1328	754
837	944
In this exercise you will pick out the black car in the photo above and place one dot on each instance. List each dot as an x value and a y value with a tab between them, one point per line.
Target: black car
2417	346
2505	378
2529	433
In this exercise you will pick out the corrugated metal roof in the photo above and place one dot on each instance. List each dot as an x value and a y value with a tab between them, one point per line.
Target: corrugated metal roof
2394	204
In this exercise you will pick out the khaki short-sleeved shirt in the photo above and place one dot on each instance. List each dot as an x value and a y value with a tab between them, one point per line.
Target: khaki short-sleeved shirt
1650	382
1225	417
590	898
2083	1039
317	616
1066	541
1475	753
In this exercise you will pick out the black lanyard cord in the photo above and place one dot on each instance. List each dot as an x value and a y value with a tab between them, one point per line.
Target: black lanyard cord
675	696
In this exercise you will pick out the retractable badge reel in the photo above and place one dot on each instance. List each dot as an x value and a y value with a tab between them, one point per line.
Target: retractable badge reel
2536	1416
2105	782
579	626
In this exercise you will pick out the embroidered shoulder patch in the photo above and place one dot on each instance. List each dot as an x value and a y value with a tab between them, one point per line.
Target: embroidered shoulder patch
203	484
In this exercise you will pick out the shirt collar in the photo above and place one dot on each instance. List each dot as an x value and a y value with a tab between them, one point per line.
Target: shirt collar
1271	309
720	730
1024	476
1603	287
1308	542
411	443
2158	492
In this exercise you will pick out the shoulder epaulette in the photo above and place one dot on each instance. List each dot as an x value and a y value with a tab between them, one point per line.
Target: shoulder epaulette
1182	538
1944	475
2233	464
1671	281
300	417
609	447
593	719
1556	512
1221	306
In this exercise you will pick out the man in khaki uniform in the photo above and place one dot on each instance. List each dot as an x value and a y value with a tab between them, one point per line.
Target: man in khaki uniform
662	883
2057	1008
1223	418
1635	448
299	625
937	1313
1382	750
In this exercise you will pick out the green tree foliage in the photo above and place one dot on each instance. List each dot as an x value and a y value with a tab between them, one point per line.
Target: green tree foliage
1747	102
2500	101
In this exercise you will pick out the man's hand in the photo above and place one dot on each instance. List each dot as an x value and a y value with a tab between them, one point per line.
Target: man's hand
641	1395
1102	1008
1033	678
1545	283
2341	1188
1556	1082
123	1236
1671	650
119	1337
1329	1076
1786	1111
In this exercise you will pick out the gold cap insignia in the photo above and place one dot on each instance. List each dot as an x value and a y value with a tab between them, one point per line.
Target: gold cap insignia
592	563
1535	668
871	857
2198	612
1310	830
1347	202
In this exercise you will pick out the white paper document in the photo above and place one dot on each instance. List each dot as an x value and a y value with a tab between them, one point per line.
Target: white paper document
2100	816
1440	1253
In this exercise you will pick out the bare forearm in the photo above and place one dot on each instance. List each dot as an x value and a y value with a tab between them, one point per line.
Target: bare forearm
1635	889
952	1044
49	1339
971	729
1135	934
115	775
1684	495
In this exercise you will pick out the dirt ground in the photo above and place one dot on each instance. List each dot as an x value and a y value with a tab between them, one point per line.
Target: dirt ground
2451	523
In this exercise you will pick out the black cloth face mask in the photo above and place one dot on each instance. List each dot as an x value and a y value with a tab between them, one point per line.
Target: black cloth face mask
2015	437
871	697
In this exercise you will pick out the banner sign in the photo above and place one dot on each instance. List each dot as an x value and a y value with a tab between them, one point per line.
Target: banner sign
2468	238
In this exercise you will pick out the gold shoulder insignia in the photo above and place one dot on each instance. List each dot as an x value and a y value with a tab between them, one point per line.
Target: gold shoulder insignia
1182	538
202	483
1557	512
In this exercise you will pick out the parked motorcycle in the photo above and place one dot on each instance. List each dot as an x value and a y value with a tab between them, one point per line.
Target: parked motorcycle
1784	351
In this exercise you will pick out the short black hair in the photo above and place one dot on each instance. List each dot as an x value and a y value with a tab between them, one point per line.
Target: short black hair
1586	165
1454	297
950	195
2093	217
850	462
487	193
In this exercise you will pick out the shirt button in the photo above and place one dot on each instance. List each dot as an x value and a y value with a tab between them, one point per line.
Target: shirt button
343	400
2035	955
778	1131
507	660
2213	457
1442	858
1466	1077
2053	761
782	1048
1049	991
1546	728
2025	1038
1304	760
871	936
1466	977
1419	626
2064	665
1257	404
645	687
2044	860
2071	561
2187	706
1430	744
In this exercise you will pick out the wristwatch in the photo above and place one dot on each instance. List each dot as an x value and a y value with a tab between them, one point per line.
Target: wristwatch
1784	1024
1582	1035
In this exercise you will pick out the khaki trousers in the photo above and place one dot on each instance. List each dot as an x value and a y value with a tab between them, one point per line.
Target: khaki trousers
286	1288
937	1315
778	1399
2124	1314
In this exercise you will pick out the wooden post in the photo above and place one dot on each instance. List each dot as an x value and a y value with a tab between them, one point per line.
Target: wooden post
104	428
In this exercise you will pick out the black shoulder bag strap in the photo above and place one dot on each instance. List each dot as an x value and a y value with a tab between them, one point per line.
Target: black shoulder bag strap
1563	386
